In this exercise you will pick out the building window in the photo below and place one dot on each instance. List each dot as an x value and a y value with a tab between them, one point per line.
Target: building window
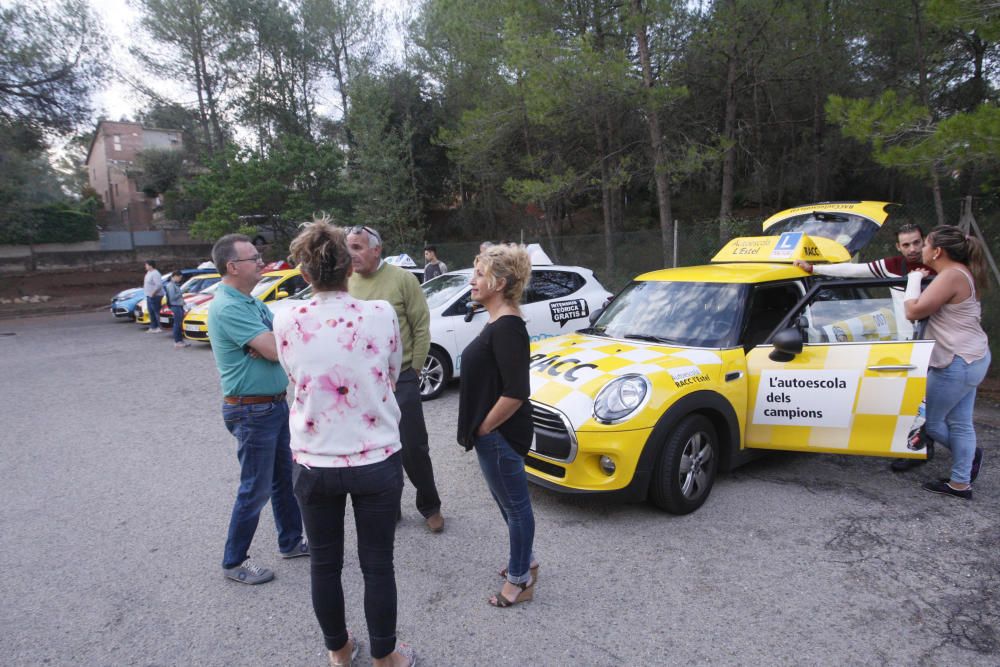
117	142
116	189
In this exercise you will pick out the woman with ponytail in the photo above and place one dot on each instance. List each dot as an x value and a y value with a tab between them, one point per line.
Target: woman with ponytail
961	353
342	357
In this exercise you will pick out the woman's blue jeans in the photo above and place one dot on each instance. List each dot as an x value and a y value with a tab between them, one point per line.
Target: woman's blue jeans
503	469
375	490
951	396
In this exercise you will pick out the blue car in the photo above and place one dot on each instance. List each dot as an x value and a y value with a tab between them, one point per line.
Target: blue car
123	304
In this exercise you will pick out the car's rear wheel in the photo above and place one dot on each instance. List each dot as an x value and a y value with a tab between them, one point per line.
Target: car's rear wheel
685	471
434	375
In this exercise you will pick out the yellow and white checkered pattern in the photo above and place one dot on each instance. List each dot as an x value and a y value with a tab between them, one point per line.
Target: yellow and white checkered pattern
884	406
581	366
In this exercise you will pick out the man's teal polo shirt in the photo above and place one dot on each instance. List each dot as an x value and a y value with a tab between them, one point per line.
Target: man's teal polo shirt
235	319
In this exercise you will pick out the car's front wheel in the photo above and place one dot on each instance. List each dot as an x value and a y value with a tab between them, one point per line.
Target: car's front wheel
685	471
434	375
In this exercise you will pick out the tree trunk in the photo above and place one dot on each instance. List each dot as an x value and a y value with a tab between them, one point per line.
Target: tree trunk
656	142
925	100
606	194
936	189
729	157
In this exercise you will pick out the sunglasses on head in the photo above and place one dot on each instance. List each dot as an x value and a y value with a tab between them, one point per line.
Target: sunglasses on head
357	229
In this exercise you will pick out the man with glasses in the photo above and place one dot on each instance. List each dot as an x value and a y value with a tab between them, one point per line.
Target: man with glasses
254	410
375	279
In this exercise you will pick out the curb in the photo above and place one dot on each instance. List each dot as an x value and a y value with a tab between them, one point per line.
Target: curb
17	313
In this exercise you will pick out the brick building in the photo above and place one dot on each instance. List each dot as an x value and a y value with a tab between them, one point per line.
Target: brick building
113	151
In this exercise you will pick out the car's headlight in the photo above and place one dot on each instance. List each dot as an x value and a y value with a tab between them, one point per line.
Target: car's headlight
620	398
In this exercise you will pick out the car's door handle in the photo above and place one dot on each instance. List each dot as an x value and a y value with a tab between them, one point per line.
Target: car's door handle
890	368
733	375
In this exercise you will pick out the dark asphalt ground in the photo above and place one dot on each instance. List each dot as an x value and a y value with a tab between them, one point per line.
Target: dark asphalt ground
118	478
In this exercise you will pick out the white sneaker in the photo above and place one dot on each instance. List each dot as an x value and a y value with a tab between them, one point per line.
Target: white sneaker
151	330
182	344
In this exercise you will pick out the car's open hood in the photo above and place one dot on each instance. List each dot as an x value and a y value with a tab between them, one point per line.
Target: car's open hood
567	373
852	224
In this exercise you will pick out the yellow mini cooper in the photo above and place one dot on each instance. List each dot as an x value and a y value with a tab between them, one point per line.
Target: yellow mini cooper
273	285
691	371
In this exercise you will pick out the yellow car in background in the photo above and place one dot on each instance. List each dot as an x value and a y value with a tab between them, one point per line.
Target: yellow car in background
690	371
273	286
191	287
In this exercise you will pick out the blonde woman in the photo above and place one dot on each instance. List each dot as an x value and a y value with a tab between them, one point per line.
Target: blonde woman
494	415
342	357
961	353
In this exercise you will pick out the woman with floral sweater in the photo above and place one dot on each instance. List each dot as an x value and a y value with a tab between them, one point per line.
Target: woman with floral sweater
342	357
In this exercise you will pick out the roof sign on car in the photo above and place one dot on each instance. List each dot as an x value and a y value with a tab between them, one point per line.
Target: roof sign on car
785	248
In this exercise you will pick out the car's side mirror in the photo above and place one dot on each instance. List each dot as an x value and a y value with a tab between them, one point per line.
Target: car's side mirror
787	343
471	309
600	311
282	294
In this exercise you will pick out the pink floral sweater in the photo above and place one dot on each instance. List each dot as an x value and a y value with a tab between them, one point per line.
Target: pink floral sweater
342	357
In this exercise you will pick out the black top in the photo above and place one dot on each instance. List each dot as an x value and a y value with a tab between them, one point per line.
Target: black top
495	364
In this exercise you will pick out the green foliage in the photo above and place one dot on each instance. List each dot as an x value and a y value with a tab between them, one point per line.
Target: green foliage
903	135
157	170
50	62
393	162
290	184
52	223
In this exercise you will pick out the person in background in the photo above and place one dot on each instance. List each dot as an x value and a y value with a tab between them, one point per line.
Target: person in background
374	278
343	357
152	287
494	415
910	244
175	301
961	354
253	409
434	266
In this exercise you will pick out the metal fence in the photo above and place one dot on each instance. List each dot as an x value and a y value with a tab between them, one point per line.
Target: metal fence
130	240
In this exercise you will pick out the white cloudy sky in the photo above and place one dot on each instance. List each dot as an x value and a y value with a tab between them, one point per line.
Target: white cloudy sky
119	18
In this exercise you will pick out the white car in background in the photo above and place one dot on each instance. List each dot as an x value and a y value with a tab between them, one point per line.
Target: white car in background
558	300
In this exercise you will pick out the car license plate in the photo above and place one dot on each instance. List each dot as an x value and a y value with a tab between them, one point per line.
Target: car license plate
189	327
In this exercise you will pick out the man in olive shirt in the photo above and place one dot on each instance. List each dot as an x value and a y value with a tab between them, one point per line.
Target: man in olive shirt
375	279
254	410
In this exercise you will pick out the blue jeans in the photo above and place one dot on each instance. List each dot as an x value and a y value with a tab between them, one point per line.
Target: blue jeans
503	469
375	490
178	320
153	306
261	431
951	395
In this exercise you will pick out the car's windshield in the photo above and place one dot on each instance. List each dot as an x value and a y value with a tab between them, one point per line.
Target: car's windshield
675	313
198	284
851	231
440	290
264	285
